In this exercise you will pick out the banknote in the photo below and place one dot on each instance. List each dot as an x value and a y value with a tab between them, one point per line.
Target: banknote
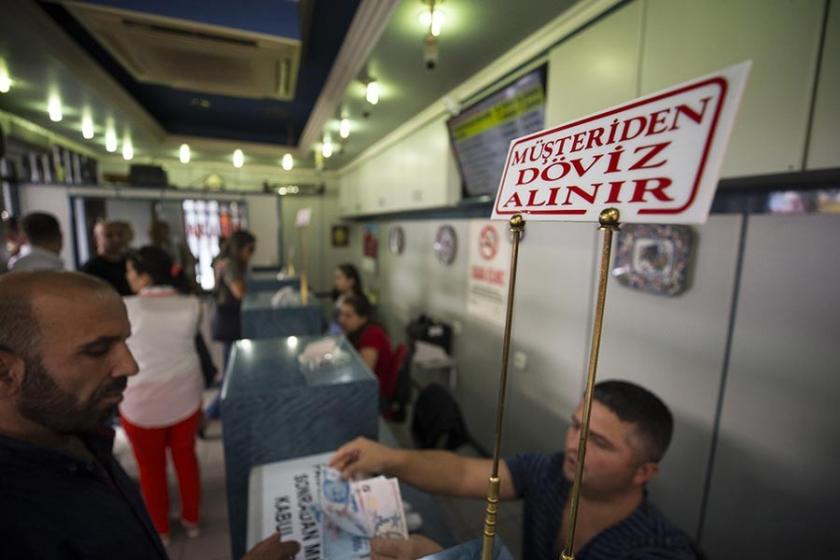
340	504
382	504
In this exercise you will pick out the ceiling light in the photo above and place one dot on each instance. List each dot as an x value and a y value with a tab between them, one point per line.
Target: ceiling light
54	108
372	92
184	153
87	125
327	147
432	19
5	79
288	162
238	158
282	191
344	127
110	137
128	149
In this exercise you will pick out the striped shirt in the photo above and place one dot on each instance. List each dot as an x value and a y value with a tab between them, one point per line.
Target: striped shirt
645	535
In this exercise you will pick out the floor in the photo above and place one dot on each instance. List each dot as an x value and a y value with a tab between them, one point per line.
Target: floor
465	517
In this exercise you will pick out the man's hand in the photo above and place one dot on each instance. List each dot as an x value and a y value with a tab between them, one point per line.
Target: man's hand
273	549
362	456
416	546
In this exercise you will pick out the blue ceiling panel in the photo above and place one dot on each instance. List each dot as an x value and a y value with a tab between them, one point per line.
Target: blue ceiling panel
272	17
256	120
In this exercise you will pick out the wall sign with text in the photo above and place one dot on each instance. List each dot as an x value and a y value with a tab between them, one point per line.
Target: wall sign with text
656	159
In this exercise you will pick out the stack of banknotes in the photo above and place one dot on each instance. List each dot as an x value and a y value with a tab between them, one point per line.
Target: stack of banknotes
353	512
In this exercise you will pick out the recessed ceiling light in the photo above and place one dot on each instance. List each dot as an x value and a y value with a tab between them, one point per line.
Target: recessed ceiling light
344	127
184	153
87	125
288	162
110	137
5	78
238	158
54	108
128	149
372	92
327	147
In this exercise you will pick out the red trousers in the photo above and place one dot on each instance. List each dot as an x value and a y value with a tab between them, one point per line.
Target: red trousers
149	446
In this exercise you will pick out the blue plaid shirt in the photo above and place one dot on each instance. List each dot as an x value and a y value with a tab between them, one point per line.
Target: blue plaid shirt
644	535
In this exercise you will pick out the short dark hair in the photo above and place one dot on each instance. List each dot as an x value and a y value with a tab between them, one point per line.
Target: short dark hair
11	225
633	403
20	332
360	305
40	228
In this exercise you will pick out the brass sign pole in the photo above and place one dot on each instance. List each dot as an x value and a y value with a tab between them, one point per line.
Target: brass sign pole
608	220
517	226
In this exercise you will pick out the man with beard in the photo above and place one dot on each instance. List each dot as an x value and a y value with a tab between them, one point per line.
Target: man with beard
64	364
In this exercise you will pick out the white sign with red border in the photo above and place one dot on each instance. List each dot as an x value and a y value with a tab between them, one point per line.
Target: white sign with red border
489	270
656	159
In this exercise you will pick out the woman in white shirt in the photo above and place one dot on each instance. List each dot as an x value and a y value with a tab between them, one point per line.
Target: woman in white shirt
162	404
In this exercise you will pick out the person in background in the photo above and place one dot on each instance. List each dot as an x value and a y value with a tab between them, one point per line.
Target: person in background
64	363
125	232
348	282
12	241
109	262
371	342
630	430
43	244
161	408
231	268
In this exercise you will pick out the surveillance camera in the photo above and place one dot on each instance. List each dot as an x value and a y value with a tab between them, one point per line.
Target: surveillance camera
430	51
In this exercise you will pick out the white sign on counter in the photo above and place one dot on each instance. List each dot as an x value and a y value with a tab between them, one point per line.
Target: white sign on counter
656	159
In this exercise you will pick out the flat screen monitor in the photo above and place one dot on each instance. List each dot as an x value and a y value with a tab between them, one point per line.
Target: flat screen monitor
482	132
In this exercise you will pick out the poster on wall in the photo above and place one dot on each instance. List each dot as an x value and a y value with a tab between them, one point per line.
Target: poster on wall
370	248
489	270
340	236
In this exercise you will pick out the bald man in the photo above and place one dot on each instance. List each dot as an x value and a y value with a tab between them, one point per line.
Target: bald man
64	364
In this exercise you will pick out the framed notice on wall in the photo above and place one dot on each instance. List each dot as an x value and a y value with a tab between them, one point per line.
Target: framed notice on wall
488	274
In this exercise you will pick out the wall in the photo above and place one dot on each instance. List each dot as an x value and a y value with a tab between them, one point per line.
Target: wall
723	466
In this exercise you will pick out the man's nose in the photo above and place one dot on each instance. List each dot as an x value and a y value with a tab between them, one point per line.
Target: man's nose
126	365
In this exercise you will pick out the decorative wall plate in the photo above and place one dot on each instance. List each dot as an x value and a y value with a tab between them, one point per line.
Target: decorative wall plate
446	244
653	258
396	240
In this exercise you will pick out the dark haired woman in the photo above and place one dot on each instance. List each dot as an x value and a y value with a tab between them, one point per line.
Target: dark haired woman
348	282
162	404
371	342
231	269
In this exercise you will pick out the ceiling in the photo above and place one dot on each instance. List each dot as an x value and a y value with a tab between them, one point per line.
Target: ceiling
48	47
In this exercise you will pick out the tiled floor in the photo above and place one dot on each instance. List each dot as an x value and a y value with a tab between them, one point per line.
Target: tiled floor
465	517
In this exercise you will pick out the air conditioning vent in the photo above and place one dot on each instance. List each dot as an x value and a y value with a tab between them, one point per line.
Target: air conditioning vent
192	56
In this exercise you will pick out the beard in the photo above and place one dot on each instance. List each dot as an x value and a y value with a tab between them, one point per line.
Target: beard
44	402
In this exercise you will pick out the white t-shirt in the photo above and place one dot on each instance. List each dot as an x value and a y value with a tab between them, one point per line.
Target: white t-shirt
169	385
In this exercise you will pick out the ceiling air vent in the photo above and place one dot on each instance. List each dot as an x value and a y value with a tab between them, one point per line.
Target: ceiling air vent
193	56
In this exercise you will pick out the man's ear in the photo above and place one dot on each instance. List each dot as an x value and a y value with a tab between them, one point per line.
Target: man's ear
12	369
645	472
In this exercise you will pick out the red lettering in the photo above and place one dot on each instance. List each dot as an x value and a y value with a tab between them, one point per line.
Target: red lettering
696	116
532	196
657	118
615	190
626	134
594	137
581	170
518	157
521	178
658	191
514	199
652	150
588	197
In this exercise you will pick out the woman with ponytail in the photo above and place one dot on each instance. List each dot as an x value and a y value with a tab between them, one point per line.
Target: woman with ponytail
161	407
